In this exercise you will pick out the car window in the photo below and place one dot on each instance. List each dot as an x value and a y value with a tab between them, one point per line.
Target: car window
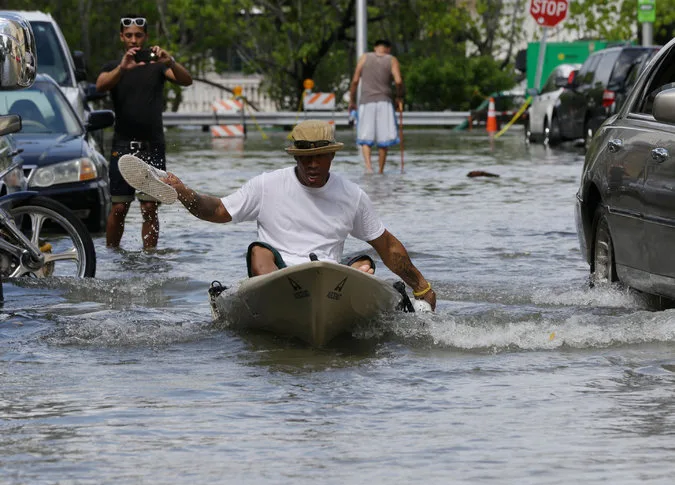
636	67
51	58
604	68
585	75
662	78
43	109
626	63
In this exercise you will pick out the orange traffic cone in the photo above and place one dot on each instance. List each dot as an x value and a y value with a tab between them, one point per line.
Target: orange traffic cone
491	117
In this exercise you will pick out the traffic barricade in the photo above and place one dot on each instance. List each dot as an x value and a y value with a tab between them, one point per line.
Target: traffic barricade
319	102
228	106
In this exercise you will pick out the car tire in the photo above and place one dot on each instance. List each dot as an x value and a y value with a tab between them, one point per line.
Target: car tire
528	132
552	132
603	264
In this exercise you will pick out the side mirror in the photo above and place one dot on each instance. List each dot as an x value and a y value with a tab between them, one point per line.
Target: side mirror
92	94
100	119
664	106
18	57
532	92
80	66
9	124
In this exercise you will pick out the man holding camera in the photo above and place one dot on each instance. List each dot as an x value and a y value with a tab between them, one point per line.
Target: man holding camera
136	84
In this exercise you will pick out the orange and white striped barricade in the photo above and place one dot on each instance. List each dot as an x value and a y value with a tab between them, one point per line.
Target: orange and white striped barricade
228	107
319	102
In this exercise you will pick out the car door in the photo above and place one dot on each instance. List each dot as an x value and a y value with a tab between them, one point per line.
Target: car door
657	149
620	173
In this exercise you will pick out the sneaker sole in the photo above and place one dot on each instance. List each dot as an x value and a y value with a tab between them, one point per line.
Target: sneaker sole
143	178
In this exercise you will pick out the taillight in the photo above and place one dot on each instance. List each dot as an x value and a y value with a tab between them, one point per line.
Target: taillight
570	78
608	98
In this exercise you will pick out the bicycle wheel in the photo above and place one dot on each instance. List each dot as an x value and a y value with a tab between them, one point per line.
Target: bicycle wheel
64	241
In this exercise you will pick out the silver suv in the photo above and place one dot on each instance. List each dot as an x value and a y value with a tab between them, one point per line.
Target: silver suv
55	59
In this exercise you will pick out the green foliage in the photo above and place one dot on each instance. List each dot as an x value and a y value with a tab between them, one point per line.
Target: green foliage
599	19
454	83
288	41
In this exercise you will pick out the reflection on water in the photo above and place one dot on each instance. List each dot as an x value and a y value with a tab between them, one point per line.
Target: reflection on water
524	374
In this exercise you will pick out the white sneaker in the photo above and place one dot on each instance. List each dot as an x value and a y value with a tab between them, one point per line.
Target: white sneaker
146	178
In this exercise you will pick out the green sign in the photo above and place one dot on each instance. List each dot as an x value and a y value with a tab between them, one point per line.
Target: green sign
646	11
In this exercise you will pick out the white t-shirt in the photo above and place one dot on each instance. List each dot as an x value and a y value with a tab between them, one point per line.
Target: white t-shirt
297	220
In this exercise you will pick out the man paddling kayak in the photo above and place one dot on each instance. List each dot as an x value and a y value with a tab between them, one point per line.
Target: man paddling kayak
299	210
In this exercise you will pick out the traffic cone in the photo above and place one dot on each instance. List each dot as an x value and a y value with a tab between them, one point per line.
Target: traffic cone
491	117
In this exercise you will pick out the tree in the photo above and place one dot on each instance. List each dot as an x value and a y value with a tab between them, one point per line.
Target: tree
288	40
598	19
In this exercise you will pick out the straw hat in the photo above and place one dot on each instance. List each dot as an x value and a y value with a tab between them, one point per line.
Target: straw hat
313	137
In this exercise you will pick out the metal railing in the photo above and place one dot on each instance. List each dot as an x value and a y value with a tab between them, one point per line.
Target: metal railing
288	118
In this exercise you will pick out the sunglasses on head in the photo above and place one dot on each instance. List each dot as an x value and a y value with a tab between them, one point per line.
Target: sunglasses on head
306	145
128	22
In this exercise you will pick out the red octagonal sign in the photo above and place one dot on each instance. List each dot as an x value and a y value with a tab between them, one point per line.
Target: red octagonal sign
548	13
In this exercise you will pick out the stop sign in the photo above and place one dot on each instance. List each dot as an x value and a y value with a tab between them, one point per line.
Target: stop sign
548	13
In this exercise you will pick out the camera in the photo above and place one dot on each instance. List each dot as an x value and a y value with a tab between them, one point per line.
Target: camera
145	55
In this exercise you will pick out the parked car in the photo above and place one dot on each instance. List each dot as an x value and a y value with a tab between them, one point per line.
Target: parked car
507	104
625	209
591	96
67	68
544	104
60	157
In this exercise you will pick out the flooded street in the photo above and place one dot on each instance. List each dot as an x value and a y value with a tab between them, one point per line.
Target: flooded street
524	374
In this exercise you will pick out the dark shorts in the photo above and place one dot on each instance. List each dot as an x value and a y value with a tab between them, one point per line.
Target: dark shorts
151	153
279	261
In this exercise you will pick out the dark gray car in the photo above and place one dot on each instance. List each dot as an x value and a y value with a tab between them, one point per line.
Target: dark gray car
626	201
596	89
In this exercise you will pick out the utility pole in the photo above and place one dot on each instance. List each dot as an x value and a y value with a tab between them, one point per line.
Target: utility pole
361	28
647	16
361	34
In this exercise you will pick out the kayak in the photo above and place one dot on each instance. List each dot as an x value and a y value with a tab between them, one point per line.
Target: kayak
314	302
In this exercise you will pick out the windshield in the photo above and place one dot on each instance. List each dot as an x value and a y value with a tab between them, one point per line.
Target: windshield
51	58
43	109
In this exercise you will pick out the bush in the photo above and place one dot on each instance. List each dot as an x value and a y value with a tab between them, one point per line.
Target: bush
453	83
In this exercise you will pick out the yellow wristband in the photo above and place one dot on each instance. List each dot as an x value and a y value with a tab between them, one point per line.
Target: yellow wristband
424	291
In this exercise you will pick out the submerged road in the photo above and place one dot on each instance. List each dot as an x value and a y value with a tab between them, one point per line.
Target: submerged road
524	375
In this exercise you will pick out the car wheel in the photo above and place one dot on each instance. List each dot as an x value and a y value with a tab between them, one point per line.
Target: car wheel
528	132
603	269
553	132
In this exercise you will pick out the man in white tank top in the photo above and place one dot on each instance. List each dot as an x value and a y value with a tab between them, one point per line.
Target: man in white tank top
376	123
305	209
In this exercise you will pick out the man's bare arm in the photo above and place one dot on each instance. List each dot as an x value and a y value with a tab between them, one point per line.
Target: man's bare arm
176	73
108	80
206	207
354	86
396	258
179	75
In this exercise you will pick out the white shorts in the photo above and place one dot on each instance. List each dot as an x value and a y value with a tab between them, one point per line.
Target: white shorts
377	125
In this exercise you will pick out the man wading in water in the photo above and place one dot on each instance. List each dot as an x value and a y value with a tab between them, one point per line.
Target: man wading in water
376	116
136	84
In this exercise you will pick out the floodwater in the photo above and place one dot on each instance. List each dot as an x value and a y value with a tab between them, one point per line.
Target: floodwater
524	375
